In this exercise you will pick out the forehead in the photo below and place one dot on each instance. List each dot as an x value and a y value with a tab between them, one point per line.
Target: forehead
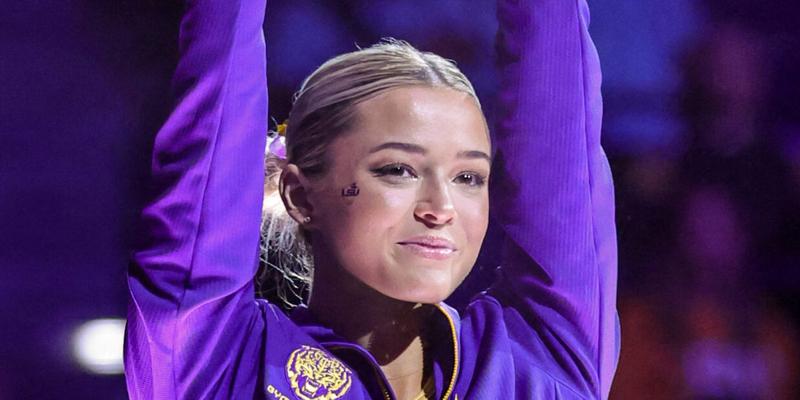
429	116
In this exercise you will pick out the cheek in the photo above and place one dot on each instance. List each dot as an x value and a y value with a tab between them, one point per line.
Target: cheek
380	206
362	224
474	214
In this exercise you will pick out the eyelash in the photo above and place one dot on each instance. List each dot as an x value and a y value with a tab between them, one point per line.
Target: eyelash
391	169
477	180
398	170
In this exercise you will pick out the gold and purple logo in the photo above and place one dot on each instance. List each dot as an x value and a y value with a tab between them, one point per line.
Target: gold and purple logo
315	375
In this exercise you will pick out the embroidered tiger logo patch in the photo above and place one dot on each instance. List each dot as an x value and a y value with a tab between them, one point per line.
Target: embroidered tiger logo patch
315	375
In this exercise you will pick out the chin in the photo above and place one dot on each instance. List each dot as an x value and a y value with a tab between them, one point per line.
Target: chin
425	294
424	286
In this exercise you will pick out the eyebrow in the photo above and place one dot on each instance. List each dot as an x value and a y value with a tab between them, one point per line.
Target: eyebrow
407	147
474	154
417	149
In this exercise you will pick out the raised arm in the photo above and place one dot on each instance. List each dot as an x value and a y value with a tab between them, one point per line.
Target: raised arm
192	310
553	192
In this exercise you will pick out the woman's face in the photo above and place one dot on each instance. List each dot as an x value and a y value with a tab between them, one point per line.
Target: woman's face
419	158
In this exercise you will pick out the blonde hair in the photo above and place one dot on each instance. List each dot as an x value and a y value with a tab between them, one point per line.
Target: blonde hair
323	109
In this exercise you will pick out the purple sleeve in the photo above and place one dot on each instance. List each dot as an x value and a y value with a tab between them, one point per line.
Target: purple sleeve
553	192
192	317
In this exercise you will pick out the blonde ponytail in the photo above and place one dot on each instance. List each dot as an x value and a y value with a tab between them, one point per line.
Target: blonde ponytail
287	263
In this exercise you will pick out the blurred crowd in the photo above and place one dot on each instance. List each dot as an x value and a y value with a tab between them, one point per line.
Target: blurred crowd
701	126
709	228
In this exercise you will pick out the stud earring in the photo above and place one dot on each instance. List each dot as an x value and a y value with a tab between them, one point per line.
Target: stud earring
306	220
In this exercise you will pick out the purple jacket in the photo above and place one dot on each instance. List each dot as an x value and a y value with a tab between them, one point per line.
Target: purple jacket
547	329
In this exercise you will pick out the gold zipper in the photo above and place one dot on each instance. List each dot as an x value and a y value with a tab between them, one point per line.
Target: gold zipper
386	394
454	335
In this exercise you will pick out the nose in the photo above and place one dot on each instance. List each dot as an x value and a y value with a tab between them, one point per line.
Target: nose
435	204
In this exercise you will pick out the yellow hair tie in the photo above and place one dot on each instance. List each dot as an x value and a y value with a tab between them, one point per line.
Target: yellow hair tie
282	129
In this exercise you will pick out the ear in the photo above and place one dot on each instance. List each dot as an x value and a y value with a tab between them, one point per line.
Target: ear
294	190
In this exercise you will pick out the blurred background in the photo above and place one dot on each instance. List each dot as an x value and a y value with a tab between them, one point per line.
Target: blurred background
701	125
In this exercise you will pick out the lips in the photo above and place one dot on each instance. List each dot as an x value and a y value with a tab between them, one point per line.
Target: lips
431	247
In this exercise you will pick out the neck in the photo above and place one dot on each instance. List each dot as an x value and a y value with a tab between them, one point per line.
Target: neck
391	330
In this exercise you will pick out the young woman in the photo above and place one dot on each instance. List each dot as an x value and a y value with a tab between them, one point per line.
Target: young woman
387	169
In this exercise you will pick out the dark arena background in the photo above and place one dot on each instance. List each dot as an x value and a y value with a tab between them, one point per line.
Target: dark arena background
702	126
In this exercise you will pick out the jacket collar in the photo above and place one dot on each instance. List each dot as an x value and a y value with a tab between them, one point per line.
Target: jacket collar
446	355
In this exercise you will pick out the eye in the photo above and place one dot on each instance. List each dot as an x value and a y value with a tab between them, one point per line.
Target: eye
395	170
469	178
